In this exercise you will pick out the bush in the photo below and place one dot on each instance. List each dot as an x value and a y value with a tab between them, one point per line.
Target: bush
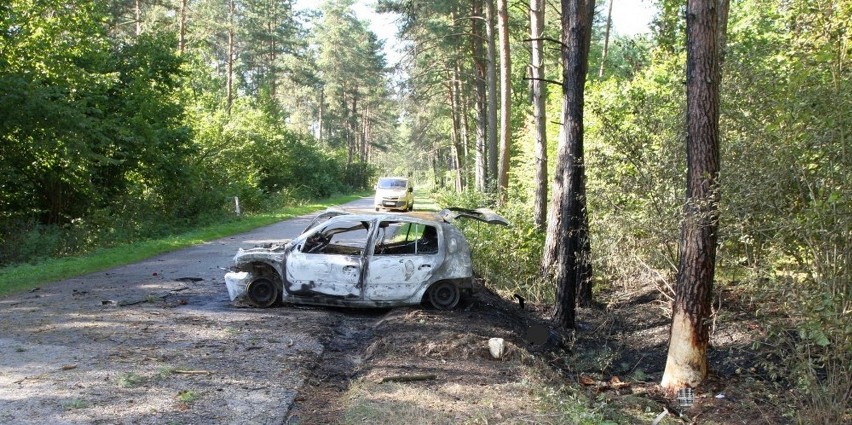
507	257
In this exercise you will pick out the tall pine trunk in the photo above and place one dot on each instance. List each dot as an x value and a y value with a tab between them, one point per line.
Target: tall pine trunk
182	27
492	95
686	365
455	152
481	172
567	257
505	98
606	39
230	64
539	95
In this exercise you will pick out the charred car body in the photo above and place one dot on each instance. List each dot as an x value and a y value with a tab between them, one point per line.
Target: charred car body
362	259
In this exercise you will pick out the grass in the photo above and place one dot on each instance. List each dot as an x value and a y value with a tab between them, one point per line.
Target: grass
533	397
24	277
188	396
75	404
131	380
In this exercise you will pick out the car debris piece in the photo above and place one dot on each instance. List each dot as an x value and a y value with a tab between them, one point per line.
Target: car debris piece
362	258
497	347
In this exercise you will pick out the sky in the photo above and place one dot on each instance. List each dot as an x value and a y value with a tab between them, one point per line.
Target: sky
629	17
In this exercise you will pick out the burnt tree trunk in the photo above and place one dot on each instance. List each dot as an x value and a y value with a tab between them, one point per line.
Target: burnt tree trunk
686	365
567	257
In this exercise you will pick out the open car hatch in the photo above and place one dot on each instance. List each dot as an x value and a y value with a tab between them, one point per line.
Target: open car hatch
482	214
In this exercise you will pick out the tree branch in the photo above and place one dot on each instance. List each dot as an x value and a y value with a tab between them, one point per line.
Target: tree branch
552	40
559	83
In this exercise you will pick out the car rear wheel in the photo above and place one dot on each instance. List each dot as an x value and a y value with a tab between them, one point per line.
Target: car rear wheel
262	292
444	295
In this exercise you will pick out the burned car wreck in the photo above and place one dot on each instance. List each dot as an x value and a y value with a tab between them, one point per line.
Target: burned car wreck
362	259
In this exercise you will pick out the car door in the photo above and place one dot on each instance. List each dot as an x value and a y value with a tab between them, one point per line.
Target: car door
329	260
402	259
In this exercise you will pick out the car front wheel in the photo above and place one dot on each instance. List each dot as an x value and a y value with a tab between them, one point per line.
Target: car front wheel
262	292
444	295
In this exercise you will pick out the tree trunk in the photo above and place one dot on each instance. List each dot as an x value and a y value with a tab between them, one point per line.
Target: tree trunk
321	112
464	106
686	365
505	98
566	251
539	95
273	58
492	96
230	77
481	172
182	27
454	134
606	39
138	12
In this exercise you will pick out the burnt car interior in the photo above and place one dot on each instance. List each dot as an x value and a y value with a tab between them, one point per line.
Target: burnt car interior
394	238
343	238
404	238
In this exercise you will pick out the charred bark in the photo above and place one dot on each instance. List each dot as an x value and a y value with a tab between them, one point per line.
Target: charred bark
686	365
566	250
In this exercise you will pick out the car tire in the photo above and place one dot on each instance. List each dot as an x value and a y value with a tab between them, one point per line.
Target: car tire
444	295
262	292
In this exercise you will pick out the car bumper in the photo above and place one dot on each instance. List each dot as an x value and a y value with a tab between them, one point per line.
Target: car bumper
237	284
391	203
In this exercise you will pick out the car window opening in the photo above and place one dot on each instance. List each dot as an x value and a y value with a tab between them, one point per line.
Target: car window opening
403	238
345	238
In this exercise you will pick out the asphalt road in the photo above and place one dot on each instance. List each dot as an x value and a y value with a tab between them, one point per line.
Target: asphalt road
158	342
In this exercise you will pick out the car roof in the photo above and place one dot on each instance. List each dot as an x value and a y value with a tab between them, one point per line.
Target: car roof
446	215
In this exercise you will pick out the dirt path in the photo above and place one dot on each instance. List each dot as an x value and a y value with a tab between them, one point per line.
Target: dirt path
157	342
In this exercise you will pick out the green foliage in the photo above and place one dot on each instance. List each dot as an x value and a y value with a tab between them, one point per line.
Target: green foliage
108	135
507	257
635	178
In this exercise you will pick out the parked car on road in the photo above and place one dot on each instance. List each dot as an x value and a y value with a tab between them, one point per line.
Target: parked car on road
362	259
394	193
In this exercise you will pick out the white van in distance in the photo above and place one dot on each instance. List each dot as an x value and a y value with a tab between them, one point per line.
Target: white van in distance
394	193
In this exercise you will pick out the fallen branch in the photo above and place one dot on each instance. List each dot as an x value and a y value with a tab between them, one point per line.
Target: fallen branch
192	372
407	378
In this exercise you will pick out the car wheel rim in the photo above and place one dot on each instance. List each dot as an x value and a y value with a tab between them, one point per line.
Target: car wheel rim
444	296
262	292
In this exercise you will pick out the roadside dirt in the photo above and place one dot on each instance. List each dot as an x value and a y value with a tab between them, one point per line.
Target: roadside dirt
610	367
